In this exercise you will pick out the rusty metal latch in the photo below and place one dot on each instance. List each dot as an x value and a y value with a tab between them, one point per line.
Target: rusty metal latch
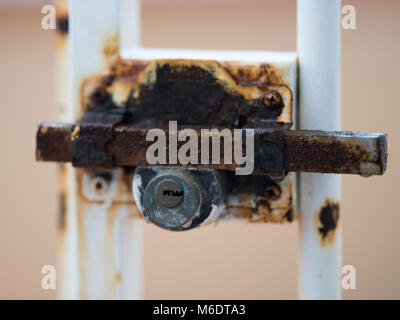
121	105
277	151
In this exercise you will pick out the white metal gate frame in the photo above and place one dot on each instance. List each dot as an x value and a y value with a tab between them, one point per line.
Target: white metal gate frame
100	257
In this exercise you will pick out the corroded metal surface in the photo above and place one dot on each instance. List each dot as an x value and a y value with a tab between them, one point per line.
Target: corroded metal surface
216	93
200	192
336	152
225	197
260	199
276	151
120	105
62	16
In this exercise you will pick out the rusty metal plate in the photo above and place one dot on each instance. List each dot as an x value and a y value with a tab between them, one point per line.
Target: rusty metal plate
226	94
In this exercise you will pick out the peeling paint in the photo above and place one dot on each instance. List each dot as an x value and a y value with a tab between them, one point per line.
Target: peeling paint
273	205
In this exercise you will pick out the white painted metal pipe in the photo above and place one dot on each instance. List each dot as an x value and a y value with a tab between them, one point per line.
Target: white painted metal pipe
319	50
66	238
101	245
91	22
131	246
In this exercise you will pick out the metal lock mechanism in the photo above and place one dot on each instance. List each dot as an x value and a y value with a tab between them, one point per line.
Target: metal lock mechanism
175	198
131	98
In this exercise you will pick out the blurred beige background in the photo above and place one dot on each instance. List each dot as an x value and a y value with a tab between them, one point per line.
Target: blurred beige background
230	260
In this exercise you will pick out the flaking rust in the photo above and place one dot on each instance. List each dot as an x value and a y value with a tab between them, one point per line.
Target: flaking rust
337	152
133	96
62	16
232	94
150	93
105	143
261	200
327	221
225	94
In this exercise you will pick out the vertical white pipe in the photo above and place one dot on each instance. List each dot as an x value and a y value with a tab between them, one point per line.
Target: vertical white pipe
92	23
132	259
130	24
90	261
319	50
66	240
131	247
101	247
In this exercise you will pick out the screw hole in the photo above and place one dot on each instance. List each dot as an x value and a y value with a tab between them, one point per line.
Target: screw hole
99	186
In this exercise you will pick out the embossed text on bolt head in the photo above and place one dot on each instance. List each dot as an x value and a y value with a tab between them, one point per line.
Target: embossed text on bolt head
172	200
169	193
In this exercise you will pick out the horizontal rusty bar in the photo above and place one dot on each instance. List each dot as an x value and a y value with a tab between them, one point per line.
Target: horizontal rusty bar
53	142
277	151
336	152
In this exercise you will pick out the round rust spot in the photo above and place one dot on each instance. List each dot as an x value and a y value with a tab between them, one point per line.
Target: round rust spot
273	100
328	217
169	193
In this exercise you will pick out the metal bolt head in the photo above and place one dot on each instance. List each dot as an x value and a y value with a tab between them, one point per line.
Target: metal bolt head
172	200
169	193
273	100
